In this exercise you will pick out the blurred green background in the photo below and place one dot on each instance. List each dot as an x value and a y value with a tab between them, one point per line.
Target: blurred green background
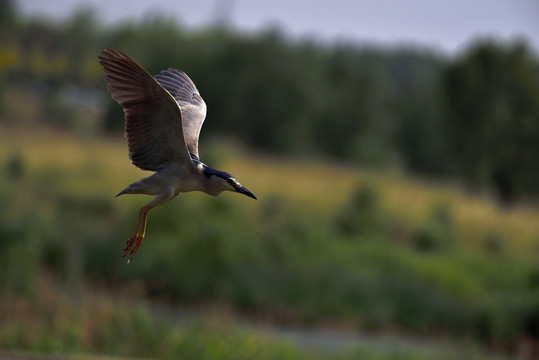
397	214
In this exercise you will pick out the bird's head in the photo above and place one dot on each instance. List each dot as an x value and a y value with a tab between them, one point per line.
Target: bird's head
219	181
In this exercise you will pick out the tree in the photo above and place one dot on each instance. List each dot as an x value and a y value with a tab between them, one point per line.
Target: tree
492	95
8	14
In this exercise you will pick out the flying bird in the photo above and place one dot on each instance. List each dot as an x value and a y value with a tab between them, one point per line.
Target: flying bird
163	118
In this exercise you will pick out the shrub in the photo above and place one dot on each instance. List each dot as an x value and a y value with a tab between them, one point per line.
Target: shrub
362	214
439	231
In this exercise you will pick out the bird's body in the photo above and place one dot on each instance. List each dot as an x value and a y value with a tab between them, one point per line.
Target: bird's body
164	115
179	178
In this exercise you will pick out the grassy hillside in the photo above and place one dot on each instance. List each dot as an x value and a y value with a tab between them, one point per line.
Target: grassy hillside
102	167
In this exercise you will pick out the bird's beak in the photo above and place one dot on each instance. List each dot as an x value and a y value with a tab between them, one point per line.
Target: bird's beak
244	191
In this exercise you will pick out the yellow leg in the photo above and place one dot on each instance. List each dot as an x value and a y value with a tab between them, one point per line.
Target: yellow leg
134	242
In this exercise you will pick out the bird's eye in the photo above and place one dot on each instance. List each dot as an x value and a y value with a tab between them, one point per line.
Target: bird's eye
232	181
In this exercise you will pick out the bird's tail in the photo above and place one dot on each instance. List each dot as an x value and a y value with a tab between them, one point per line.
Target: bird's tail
124	191
131	189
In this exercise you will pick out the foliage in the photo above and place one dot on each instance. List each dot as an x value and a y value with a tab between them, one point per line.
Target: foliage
66	322
493	110
438	233
363	214
284	258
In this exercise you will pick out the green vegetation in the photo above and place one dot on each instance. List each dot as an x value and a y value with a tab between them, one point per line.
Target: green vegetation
91	322
298	258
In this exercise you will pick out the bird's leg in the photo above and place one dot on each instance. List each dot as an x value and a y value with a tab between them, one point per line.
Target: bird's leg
134	242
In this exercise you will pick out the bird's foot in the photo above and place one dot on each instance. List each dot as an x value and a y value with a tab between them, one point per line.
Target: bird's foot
132	245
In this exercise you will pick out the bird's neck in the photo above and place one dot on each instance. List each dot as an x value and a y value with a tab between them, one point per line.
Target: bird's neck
195	159
206	170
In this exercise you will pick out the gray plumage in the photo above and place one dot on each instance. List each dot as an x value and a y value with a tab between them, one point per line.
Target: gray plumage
193	107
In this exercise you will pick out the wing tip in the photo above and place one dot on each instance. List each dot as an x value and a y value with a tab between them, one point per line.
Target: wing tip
111	53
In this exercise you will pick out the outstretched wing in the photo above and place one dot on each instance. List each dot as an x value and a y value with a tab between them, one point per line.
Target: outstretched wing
153	119
192	105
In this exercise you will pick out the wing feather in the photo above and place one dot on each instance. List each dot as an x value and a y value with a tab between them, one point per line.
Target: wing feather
193	107
153	119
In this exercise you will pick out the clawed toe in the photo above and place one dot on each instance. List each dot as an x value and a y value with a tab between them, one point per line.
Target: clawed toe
132	246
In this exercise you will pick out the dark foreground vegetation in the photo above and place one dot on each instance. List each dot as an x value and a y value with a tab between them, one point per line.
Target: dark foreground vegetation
326	244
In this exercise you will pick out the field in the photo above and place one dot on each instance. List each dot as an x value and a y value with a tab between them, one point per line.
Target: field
327	247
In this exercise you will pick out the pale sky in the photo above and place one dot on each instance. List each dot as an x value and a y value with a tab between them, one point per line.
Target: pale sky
446	25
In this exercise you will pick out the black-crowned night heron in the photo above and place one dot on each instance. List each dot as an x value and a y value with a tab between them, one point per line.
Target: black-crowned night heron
163	117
